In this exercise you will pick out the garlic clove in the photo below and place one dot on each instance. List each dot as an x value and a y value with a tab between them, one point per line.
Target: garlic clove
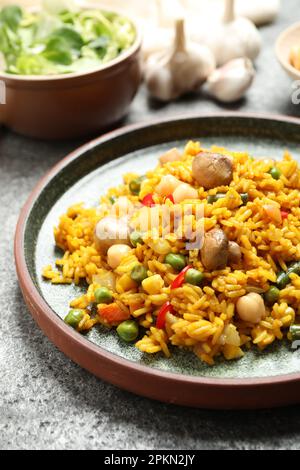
230	82
258	11
249	36
237	39
180	69
160	85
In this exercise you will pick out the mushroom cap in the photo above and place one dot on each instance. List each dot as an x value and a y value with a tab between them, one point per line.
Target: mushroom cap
234	253
211	169
214	252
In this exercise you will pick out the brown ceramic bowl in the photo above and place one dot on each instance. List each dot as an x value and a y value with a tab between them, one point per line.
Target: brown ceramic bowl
72	105
288	38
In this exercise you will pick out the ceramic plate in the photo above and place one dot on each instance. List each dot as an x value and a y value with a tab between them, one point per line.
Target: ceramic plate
260	379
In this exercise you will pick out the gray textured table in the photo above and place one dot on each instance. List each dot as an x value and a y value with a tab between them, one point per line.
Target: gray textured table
46	401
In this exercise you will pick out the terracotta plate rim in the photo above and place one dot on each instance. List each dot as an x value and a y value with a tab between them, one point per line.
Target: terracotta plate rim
113	367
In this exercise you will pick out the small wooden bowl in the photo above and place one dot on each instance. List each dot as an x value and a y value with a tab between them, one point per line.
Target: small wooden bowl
288	38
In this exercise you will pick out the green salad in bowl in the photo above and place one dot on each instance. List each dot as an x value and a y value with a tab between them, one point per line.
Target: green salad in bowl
60	38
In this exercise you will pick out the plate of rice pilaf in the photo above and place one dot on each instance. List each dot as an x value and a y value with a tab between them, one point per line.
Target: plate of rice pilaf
165	258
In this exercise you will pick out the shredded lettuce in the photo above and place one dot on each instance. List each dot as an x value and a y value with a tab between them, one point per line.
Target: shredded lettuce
61	38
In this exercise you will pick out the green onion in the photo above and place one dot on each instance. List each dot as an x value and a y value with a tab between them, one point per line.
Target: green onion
244	198
283	278
135	185
215	197
113	199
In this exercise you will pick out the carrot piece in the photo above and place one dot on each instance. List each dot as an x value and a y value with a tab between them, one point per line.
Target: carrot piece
135	306
112	313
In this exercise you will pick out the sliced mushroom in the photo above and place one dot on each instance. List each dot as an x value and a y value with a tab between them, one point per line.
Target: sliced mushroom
214	252
111	231
211	170
234	253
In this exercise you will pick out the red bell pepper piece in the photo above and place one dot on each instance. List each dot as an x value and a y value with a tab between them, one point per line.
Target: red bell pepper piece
284	214
148	200
161	318
170	198
179	280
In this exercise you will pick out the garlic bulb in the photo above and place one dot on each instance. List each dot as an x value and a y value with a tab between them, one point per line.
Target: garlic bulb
155	40
234	38
230	82
258	11
179	69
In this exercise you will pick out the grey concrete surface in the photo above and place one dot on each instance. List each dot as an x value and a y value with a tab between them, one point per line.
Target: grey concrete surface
46	401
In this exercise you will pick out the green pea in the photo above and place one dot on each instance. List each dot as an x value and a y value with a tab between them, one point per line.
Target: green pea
103	296
139	273
194	277
295	332
275	173
128	330
215	197
178	262
244	198
272	295
74	317
135	238
135	185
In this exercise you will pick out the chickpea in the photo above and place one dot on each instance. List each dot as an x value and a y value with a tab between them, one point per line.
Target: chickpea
211	170
172	155
115	255
251	308
167	185
111	231
184	191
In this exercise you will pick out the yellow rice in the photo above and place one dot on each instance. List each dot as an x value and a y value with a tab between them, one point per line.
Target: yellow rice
203	314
